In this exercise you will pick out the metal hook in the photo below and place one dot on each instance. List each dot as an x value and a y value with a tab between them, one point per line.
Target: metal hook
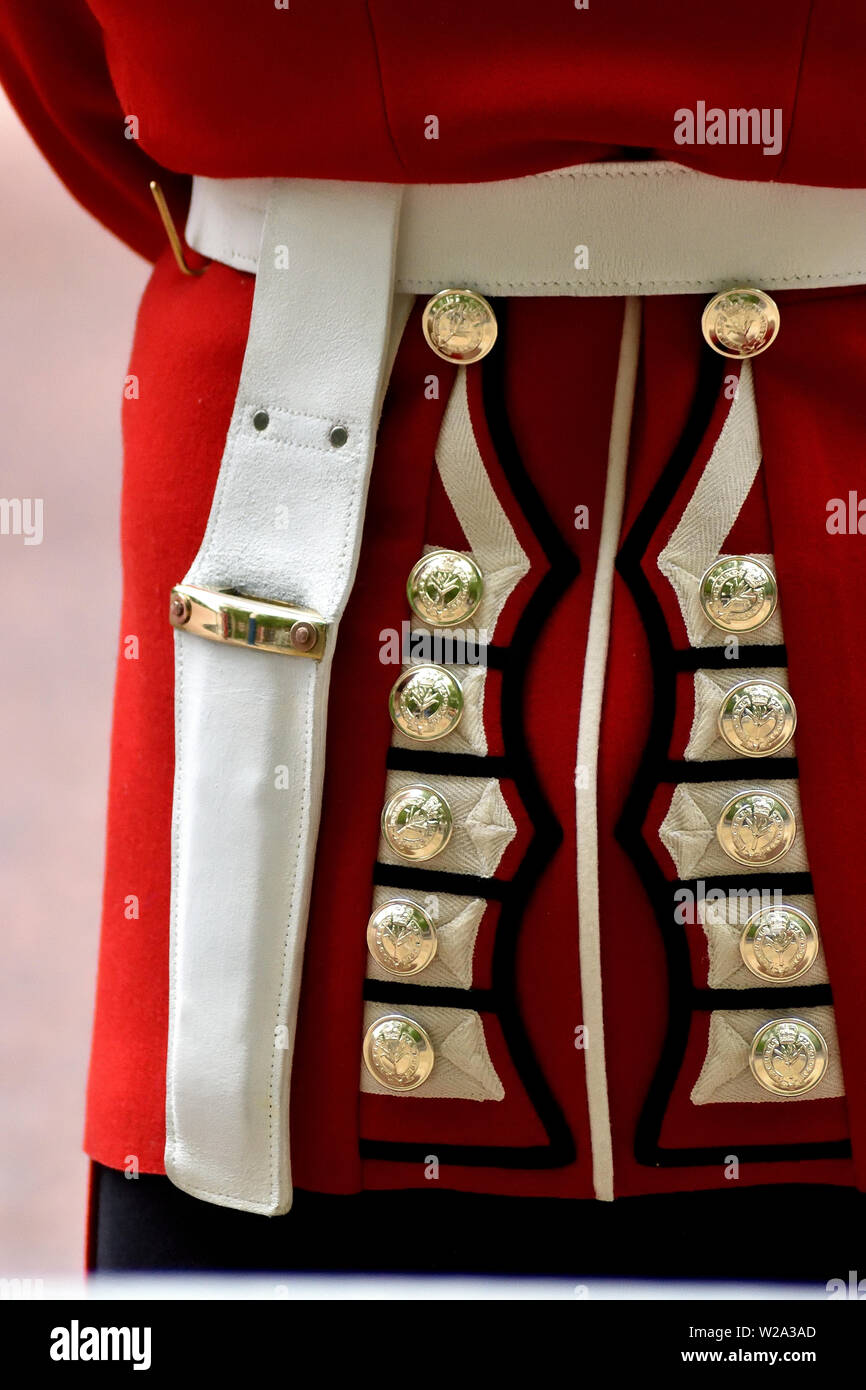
171	231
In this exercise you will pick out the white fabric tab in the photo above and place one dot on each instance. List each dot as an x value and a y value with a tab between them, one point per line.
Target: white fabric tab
688	831
710	513
456	919
462	1070
598	229
705	742
726	1077
492	539
483	825
723	924
250	726
470	735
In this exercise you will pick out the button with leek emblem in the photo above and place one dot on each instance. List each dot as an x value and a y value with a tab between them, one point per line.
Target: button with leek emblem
426	703
757	718
401	937
459	325
417	822
756	827
398	1053
738	593
444	588
740	323
779	943
788	1056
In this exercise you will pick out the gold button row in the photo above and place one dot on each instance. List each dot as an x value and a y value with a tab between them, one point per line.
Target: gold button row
444	588
757	718
460	325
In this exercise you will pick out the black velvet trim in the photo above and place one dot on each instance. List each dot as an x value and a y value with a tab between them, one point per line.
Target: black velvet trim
718	1156
429	761
547	835
406	993
493	657
437	881
771	997
717	659
149	1225
655	769
534	1156
727	770
732	883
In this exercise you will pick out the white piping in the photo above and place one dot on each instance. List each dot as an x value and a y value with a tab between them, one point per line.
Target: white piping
586	777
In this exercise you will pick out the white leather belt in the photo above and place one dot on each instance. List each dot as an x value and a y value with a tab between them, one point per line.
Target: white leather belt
646	228
285	526
284	533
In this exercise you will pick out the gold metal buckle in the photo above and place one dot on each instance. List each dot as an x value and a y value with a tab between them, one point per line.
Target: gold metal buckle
261	623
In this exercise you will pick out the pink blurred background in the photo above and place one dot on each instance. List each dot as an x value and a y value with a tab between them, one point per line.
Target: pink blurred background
68	296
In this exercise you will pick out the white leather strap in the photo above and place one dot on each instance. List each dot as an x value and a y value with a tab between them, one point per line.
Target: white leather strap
285	524
598	229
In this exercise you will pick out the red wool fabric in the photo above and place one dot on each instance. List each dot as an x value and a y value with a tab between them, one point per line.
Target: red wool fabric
240	91
633	967
116	95
187	357
560	375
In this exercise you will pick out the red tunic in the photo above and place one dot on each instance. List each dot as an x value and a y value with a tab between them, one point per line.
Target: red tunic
211	87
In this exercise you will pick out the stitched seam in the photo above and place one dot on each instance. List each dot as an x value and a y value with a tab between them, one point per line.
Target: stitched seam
296	879
286	442
171	1144
221	490
627	286
242	259
629	171
308	415
423	286
381	81
246	1204
797	84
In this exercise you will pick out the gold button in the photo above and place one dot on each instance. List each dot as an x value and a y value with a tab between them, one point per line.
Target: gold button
417	822
738	593
788	1056
426	702
740	322
756	827
398	1053
460	326
757	718
444	588
401	937
779	943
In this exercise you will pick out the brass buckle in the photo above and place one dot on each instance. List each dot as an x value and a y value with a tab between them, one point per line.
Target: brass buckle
264	624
